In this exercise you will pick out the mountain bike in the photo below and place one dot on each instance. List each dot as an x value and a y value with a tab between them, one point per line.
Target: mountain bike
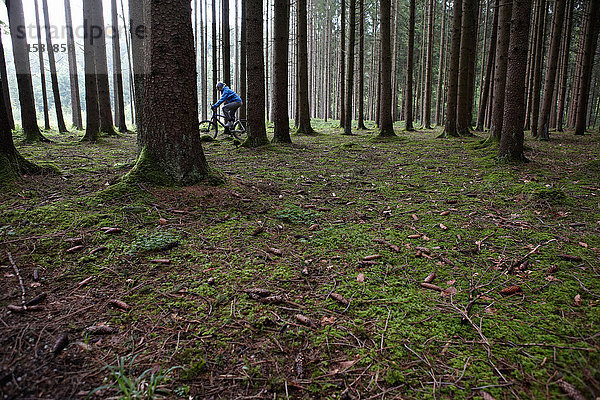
211	127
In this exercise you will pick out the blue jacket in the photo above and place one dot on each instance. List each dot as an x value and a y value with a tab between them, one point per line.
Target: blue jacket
228	96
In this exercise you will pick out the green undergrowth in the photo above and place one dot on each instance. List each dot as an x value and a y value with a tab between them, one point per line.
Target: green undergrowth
365	219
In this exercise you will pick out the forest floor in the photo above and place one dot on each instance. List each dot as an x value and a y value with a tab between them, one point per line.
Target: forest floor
303	275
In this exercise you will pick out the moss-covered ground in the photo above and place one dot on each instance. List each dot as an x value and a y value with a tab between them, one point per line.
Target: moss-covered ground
328	218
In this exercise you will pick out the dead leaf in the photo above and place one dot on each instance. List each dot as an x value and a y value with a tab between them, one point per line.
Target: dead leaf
451	282
327	320
414	217
577	300
450	291
551	278
583	244
275	251
443	227
360	278
161	261
162	221
443	213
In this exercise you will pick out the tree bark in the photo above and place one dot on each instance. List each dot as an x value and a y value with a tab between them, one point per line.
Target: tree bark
511	142
5	90
502	43
92	107
562	94
537	70
488	71
465	70
225	38
137	30
386	127
106	119
281	25
53	76
557	22
215	60
243	61
439	94
408	92
429	64
40	51
361	66
342	73
304	125
22	67
256	75
590	39
117	73
171	150
73	76
451	107
350	72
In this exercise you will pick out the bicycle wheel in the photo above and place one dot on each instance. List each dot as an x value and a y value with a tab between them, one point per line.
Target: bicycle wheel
208	128
240	130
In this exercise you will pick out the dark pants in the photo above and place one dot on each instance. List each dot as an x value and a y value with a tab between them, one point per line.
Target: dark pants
230	109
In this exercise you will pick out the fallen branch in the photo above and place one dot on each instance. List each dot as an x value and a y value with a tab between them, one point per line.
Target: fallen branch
12	262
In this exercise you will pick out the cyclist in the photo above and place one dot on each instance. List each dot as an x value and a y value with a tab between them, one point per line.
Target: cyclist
232	103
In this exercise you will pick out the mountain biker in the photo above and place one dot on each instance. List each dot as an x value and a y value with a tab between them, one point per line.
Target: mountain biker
232	102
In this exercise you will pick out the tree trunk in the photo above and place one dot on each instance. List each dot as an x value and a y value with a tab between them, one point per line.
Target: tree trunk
73	78
342	74
171	149
215	62
304	126
128	47
511	142
21	58
439	94
350	72
590	38
12	164
243	61
138	43
361	66
386	127
117	73
451	108
429	65
408	92
203	65
106	119
225	38
488	71
53	76
537	70
92	107
281	26
256	75
466	72
560	108
5	90
502	43
557	22
40	51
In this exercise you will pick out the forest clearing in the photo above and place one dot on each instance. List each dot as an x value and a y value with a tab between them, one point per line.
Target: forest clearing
337	267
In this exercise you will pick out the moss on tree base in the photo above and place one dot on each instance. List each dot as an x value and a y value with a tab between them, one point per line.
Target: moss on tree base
12	167
147	170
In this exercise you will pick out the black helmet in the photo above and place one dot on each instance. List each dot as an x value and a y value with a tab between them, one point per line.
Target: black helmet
220	85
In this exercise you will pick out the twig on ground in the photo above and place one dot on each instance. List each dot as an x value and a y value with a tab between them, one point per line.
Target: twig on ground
12	262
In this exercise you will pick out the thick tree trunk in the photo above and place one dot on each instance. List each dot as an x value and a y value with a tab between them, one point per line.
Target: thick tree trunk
5	90
386	127
22	67
466	70
92	108
138	43
106	119
171	147
304	126
408	92
511	142
361	66
215	60
429	64
73	78
256	75
590	39
117	73
557	22
130	64
488	71
203	65
53	76
502	43
537	70
281	119
350	72
451	108
342	72
225	38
